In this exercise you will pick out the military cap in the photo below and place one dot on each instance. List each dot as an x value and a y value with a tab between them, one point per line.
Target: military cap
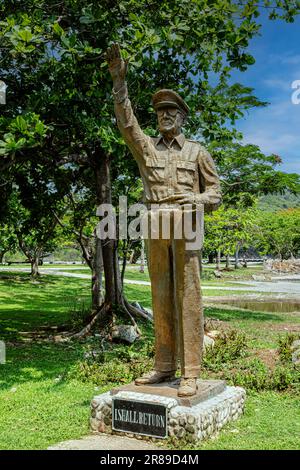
163	98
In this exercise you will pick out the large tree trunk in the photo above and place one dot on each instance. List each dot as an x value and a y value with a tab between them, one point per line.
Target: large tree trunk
211	257
35	266
227	261
236	256
218	266
2	254
97	276
114	299
32	255
142	267
113	287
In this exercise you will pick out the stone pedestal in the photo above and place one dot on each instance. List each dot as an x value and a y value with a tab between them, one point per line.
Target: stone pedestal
192	419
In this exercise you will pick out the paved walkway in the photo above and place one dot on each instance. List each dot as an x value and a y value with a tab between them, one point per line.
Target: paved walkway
278	285
105	442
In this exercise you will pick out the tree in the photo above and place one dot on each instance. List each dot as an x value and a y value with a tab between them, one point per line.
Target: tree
279	233
228	231
78	222
8	241
52	61
36	236
246	173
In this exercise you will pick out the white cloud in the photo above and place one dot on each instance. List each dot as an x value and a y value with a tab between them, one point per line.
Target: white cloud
279	84
275	129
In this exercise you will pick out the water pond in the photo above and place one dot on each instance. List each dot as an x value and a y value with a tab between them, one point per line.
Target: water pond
281	306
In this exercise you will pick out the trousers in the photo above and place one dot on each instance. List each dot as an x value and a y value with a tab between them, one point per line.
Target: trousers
177	303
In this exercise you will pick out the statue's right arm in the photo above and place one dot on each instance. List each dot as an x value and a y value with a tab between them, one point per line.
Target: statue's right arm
127	122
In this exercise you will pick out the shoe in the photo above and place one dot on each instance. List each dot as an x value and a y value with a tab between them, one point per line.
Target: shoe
155	377
188	387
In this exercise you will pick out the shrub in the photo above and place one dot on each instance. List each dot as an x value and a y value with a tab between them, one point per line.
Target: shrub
255	375
285	346
228	347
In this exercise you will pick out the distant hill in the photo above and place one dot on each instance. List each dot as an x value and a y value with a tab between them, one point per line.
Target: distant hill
275	202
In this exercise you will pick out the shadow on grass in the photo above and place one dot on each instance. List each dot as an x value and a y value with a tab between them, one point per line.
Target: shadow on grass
27	305
38	362
227	314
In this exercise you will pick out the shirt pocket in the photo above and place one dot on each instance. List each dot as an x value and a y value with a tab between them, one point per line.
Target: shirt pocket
186	172
155	169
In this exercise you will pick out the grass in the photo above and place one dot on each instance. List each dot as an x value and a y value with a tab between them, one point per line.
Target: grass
36	409
42	400
271	422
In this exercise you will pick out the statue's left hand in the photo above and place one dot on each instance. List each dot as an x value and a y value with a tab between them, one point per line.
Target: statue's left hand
181	199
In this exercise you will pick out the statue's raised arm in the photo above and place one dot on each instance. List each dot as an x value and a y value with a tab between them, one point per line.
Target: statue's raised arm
127	122
116	65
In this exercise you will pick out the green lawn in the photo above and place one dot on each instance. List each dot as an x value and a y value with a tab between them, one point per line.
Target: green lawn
271	422
41	402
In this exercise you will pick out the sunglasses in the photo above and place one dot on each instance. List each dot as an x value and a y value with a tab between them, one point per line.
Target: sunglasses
169	112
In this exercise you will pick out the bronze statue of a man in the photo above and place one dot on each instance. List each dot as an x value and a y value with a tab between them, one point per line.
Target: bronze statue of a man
175	171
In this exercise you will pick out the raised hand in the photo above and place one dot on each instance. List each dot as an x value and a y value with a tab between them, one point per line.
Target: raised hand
116	65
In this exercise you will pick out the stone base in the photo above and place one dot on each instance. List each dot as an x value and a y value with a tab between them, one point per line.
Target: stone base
193	423
205	389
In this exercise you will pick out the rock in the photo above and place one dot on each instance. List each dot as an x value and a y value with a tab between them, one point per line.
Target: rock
190	428
258	278
296	357
213	334
137	305
182	421
295	345
208	342
173	422
124	333
146	310
181	433
217	274
191	419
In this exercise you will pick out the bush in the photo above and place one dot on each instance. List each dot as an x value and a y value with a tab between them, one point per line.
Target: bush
228	347
106	362
285	378
285	346
255	375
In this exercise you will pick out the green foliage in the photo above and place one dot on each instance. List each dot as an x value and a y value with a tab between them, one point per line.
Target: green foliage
276	202
26	131
8	241
251	375
227	229
229	346
113	364
285	346
278	233
255	375
246	173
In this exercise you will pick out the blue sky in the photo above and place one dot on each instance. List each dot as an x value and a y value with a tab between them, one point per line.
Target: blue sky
276	128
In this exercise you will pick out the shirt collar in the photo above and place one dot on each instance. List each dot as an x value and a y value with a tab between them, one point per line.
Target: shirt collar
180	139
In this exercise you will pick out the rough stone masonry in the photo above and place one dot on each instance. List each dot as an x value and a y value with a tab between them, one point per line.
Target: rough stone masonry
193	423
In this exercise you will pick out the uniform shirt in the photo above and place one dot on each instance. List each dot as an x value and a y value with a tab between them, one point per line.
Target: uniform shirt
179	167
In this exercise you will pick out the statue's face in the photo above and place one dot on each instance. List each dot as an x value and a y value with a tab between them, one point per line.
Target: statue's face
170	120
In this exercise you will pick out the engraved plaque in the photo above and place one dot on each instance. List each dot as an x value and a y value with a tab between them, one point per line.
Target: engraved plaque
148	419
